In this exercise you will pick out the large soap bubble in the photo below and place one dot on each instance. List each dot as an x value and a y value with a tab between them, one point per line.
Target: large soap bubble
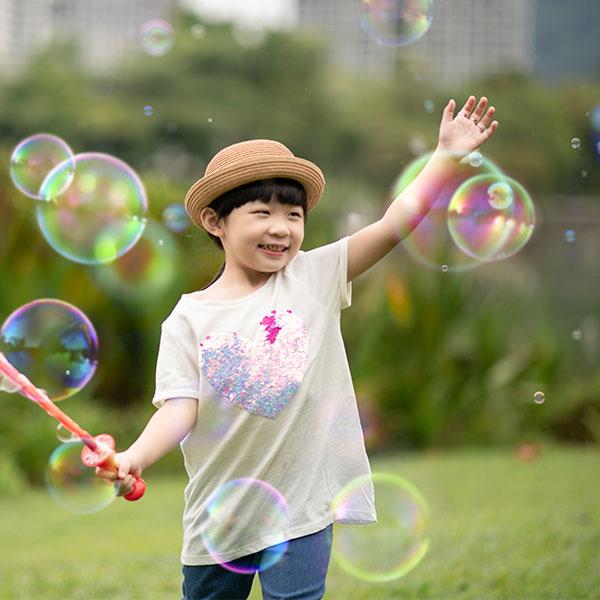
53	344
491	217
396	22
99	216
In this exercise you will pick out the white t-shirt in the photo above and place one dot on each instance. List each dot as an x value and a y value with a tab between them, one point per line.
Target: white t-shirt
275	404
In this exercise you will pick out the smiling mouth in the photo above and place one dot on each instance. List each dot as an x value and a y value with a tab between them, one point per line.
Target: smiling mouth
273	250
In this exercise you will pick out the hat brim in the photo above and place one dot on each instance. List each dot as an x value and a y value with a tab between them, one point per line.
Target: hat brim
210	187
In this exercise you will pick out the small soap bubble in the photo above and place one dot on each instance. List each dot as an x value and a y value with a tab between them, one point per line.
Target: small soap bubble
395	544
198	31
475	159
148	110
161	242
64	435
32	160
445	268
210	119
429	106
74	486
576	334
500	195
576	143
99	217
396	22
156	37
539	397
570	235
175	218
53	344
231	511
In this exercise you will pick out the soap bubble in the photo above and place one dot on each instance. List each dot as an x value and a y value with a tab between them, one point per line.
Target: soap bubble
156	37
74	486
393	546
430	241
53	344
575	143
484	232
100	216
34	158
539	397
500	195
175	218
149	268
148	110
396	22
570	236
244	508
64	435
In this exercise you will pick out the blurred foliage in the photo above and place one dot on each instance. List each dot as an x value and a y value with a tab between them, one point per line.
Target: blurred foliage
454	361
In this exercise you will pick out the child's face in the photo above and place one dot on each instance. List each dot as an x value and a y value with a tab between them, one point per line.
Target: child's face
261	223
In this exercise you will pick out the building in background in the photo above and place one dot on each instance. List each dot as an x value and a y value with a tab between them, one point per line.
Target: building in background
104	30
467	39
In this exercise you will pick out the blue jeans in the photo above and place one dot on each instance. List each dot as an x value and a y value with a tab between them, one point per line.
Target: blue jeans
299	574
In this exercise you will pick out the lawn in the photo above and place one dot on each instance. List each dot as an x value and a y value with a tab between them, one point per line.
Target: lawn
500	528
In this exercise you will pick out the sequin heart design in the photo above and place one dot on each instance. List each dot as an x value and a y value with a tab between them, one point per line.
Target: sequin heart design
263	375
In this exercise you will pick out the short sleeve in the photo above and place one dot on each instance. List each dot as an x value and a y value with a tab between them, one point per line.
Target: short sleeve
324	272
177	375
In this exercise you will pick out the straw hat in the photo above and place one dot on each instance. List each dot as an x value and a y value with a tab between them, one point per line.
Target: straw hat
250	161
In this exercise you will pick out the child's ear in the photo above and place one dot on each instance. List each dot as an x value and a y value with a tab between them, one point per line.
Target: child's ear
210	220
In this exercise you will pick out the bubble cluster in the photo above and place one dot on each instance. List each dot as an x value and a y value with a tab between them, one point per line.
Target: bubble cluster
490	217
175	218
231	512
430	241
74	486
156	37
393	546
101	214
53	344
396	22
34	158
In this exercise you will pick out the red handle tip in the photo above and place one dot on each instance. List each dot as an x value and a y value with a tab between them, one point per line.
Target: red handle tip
139	487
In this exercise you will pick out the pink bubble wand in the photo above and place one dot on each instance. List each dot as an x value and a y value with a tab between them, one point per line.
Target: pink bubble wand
98	451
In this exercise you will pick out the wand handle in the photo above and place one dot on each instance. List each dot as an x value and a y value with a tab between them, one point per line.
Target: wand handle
99	451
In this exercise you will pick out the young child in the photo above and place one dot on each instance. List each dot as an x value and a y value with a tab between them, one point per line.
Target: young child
252	376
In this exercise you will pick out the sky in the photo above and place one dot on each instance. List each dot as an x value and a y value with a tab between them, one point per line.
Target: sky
267	13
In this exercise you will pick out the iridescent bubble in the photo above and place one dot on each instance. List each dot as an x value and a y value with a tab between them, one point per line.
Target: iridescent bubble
244	507
74	486
175	218
500	195
475	159
576	143
430	241
149	268
484	232
64	435
396	22
156	37
393	546
570	236
148	110
100	216
53	344
34	158
539	397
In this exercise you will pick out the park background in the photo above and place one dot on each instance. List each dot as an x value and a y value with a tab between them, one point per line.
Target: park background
445	364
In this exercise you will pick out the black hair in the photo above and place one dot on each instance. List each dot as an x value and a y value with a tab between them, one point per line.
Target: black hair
284	191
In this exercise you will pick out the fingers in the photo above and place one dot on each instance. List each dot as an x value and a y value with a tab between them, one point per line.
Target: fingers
448	113
467	109
124	486
477	114
487	118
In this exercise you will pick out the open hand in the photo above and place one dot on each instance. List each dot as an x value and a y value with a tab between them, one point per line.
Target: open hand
472	127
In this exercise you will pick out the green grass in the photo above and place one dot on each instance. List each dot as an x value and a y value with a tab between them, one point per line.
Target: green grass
500	528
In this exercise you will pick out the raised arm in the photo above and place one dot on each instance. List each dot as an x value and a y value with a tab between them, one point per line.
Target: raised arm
459	135
167	427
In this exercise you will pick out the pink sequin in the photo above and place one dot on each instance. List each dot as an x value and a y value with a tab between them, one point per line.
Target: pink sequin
262	375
